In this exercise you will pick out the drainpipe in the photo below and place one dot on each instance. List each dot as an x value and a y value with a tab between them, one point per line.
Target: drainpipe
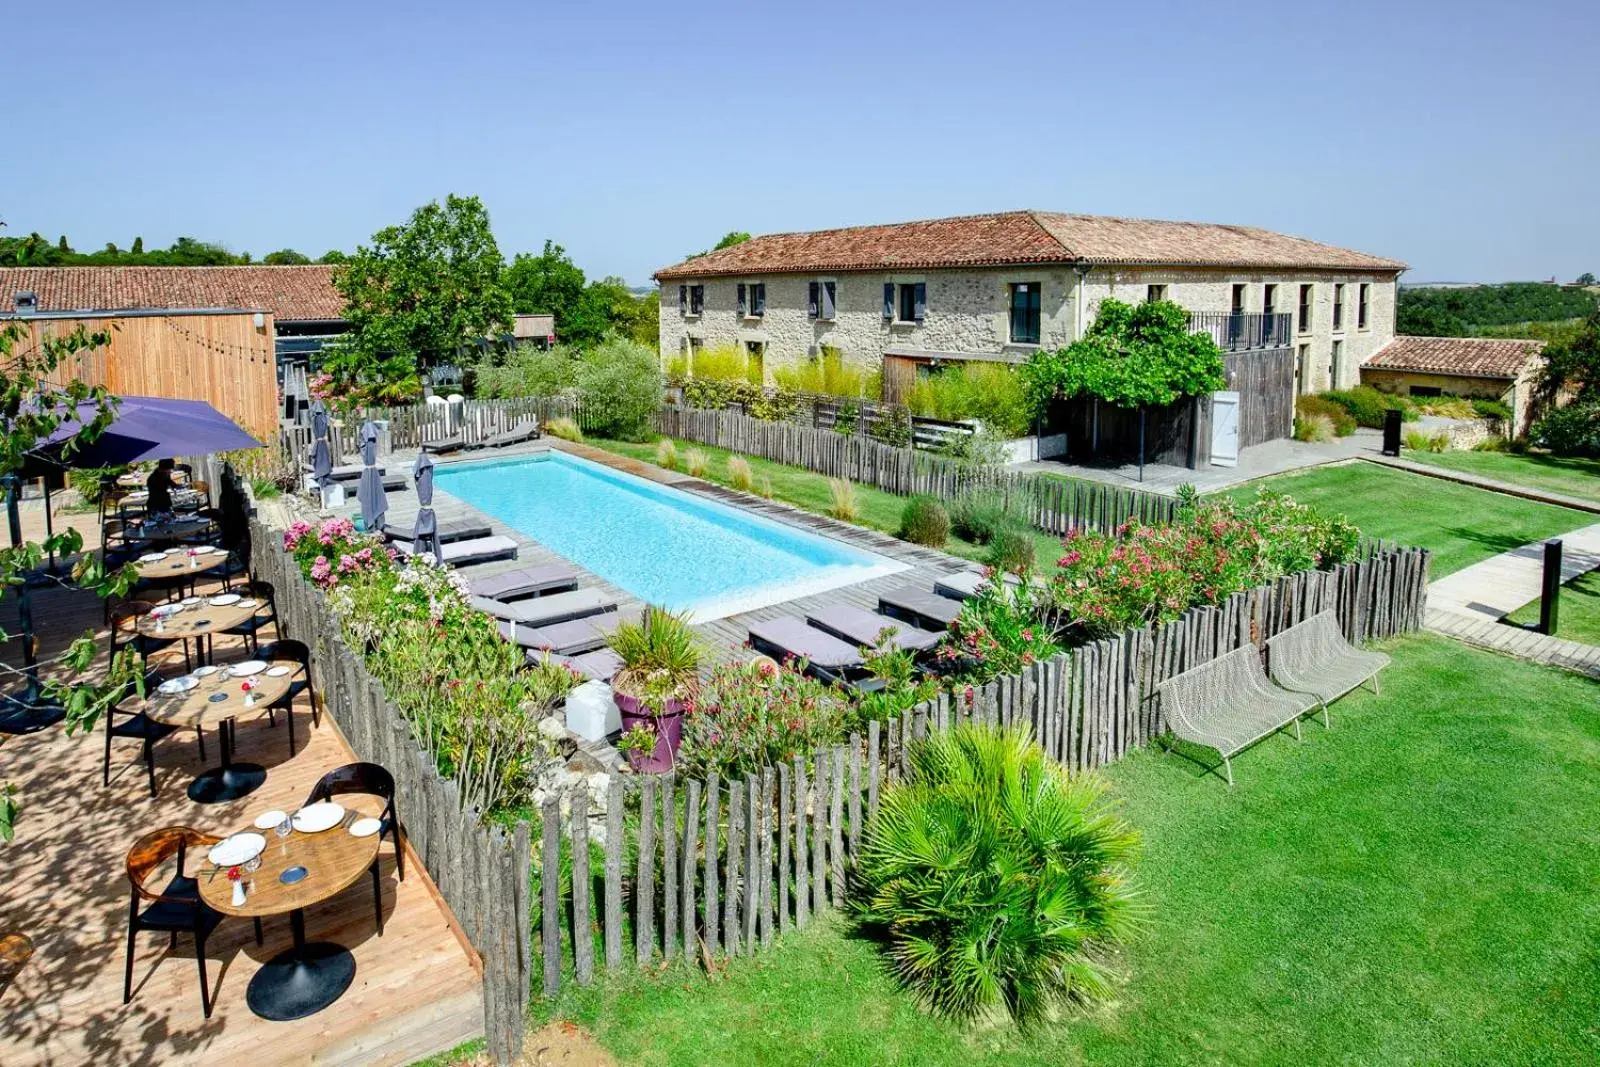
1081	268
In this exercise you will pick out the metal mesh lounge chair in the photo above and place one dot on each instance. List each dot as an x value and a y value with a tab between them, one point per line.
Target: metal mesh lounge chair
919	607
526	430
454	530
1313	657
1229	704
548	610
526	582
467	553
862	627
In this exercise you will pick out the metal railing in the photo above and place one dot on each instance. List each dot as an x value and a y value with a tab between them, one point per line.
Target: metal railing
1244	330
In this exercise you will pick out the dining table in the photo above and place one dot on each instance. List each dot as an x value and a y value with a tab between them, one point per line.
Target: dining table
177	563
198	619
166	530
215	700
299	869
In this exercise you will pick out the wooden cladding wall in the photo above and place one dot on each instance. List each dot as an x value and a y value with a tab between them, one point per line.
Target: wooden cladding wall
220	358
1265	383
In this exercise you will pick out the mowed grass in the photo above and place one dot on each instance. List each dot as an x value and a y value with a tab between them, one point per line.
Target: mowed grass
1568	475
811	492
1578	615
1416	885
1460	525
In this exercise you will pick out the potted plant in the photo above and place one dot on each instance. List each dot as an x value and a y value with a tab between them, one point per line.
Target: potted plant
660	665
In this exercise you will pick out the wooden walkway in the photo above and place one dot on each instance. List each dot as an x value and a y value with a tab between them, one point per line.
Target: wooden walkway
416	990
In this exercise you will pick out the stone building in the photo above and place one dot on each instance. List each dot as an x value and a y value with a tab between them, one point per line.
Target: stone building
908	297
1470	367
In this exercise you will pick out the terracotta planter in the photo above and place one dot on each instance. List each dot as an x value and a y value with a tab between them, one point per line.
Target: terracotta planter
669	732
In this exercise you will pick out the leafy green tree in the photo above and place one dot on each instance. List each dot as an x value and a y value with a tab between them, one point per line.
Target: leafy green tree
333	255
416	296
729	239
621	386
285	257
1132	357
547	284
61	245
138	246
1586	278
1470	311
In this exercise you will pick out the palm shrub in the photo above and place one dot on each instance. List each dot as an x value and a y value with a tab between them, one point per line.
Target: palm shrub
999	882
739	475
925	522
845	506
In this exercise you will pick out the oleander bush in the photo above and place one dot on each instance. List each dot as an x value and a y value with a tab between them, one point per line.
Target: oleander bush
749	716
999	884
924	521
1002	629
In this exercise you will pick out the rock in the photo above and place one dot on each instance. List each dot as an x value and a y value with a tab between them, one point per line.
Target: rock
555	733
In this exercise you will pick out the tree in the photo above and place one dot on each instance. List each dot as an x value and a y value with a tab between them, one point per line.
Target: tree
416	296
333	255
1573	366
729	239
285	257
61	245
1586	278
1132	357
547	284
138	246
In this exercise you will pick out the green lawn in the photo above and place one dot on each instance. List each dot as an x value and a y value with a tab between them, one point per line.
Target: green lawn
1579	616
1459	524
809	491
1415	886
1569	476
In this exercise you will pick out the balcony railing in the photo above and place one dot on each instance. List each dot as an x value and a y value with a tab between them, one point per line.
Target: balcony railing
1244	330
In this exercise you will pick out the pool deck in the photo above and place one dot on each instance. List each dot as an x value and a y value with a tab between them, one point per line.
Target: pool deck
727	635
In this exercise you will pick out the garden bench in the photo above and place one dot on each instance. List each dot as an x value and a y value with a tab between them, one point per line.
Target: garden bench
1229	704
1313	657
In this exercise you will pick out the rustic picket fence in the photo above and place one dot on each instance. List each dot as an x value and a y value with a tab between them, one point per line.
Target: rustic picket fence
1053	505
665	868
415	425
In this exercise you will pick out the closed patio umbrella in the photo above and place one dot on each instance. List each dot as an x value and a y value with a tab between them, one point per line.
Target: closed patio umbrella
321	453
426	530
374	502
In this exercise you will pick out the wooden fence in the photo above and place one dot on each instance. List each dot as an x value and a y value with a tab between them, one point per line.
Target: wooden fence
415	425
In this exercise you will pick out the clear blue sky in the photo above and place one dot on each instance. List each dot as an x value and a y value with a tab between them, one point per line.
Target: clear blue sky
1462	136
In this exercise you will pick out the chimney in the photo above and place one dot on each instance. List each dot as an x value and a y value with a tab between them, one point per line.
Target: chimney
26	302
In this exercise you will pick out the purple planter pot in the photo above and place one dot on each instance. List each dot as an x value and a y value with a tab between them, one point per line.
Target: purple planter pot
669	732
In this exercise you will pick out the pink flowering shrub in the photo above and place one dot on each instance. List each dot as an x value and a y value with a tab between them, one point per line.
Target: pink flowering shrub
744	718
332	551
1004	629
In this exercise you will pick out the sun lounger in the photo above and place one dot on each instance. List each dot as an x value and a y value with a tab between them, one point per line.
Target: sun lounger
862	627
570	638
826	656
919	607
548	610
964	584
526	582
454	530
526	430
601	665
349	473
453	443
467	553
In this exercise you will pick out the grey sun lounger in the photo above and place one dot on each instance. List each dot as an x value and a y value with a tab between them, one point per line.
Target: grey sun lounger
454	530
350	472
548	610
526	582
964	584
453	443
862	627
601	665
791	636
467	553
570	638
526	430
919	607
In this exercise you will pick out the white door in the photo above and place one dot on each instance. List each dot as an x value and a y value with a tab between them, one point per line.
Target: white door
1224	429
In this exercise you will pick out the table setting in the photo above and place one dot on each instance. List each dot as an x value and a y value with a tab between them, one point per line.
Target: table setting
177	562
197	617
213	695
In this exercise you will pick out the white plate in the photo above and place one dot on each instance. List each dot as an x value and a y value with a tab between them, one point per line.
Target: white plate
278	671
177	685
224	600
248	603
269	820
191	600
165	611
240	848
247	668
207	671
365	827
315	818
152	557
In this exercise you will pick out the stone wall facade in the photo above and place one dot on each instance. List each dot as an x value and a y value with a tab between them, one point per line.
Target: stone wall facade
1519	394
968	312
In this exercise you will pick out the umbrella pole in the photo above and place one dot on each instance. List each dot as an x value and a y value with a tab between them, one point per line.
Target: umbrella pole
28	711
49	525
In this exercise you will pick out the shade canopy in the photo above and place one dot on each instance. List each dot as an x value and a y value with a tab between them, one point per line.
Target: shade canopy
145	428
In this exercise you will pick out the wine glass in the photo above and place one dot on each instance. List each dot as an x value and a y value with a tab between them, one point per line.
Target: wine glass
284	828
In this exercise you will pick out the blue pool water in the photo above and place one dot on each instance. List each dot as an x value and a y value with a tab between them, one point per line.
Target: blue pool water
661	544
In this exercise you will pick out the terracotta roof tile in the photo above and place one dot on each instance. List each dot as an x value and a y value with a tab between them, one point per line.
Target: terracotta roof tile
1023	237
290	293
1470	357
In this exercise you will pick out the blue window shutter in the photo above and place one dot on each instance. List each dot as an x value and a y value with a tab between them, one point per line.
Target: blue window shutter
828	294
921	300
761	298
888	301
683	299
812	303
741	298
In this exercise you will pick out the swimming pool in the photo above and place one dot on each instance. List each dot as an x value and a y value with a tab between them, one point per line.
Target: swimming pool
661	544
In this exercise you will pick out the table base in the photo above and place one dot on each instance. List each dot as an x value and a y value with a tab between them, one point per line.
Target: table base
223	784
301	981
25	713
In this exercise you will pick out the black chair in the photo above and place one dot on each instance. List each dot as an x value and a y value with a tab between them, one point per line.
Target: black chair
266	613
375	780
285	648
175	908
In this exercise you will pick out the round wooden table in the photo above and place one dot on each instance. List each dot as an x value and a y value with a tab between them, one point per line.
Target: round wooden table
175	564
197	622
216	701
308	977
158	531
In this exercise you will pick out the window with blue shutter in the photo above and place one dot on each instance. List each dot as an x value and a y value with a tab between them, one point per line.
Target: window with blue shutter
920	304
888	301
829	304
683	300
741	300
697	299
813	299
758	299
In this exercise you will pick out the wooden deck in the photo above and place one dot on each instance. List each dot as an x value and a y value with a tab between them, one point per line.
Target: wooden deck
416	990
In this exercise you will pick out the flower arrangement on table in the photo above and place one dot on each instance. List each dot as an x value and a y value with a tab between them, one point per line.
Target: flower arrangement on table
248	687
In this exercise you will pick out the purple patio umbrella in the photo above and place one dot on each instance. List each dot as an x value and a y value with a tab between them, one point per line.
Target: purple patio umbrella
426	530
374	502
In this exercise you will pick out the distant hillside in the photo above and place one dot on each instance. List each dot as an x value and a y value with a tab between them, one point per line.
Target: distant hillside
1484	309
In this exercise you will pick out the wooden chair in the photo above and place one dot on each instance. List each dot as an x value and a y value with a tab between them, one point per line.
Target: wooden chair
174	908
377	781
